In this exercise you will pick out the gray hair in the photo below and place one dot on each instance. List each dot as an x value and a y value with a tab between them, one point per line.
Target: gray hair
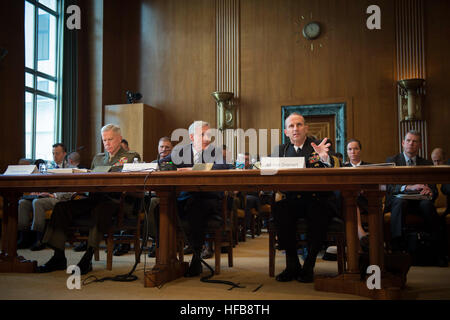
414	133
197	124
74	156
112	127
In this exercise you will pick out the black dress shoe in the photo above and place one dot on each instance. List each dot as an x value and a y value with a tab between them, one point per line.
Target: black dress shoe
53	264
26	239
306	276
152	252
82	246
38	246
85	266
288	275
364	243
195	268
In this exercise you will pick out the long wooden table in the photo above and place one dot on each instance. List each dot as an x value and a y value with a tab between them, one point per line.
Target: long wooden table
167	268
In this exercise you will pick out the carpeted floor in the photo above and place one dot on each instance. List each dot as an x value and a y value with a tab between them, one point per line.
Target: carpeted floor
250	270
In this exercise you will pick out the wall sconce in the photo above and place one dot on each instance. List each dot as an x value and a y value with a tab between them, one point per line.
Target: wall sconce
411	99
226	113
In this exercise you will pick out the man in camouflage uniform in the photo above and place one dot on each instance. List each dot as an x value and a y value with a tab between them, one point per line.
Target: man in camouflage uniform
98	208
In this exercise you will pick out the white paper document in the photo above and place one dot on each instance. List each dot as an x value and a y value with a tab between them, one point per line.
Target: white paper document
413	196
278	163
21	169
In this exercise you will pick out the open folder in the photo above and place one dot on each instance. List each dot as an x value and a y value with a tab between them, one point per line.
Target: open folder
413	196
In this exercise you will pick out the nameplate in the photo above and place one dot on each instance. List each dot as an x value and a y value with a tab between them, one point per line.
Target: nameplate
282	163
137	167
202	166
21	169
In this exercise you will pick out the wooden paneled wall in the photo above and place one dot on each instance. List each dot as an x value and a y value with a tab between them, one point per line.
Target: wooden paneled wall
348	62
410	47
12	82
177	66
174	53
437	99
166	49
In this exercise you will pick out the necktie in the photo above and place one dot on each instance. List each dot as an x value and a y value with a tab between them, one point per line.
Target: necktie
198	158
410	162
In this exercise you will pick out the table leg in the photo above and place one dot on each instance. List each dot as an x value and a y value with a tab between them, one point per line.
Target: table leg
351	230
167	267
350	282
376	251
9	261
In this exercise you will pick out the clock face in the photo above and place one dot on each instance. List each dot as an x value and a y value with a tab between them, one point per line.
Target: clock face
311	31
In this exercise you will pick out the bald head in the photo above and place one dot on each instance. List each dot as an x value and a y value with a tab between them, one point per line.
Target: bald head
438	156
296	129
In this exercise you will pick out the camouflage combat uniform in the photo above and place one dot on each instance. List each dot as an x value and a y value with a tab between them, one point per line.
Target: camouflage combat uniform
97	210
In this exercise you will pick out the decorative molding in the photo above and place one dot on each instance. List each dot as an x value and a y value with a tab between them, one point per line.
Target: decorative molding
228	47
410	39
410	47
228	59
336	109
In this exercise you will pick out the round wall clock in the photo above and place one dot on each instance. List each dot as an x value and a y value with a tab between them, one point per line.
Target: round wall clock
311	30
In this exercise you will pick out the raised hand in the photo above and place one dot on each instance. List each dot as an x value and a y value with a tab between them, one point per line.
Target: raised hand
322	149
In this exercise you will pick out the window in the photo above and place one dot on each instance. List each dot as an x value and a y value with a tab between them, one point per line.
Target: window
42	77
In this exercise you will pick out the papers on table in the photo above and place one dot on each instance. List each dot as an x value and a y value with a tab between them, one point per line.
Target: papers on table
385	164
66	170
202	166
413	196
20	169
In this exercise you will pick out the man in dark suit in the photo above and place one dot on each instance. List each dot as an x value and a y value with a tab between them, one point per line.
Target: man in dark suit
425	208
196	208
317	207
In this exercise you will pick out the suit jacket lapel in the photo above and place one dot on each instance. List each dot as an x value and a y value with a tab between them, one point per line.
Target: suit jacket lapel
402	160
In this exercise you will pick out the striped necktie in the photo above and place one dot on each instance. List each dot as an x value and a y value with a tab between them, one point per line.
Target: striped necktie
198	158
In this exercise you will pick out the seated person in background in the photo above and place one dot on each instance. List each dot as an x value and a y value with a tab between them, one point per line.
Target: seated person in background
73	159
425	208
354	148
99	208
59	156
196	208
32	208
165	147
438	156
124	144
317	207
